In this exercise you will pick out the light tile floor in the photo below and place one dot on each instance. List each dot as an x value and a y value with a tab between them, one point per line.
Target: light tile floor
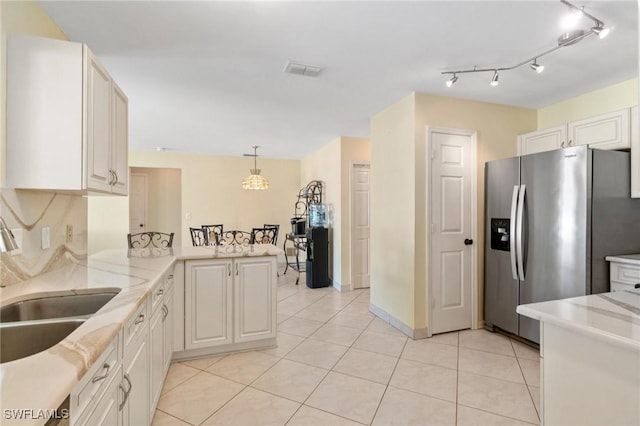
338	364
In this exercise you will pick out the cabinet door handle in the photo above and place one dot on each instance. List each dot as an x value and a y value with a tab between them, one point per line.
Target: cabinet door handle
228	270
570	142
104	376
126	392
160	292
562	144
115	178
110	183
165	310
140	319
236	269
637	285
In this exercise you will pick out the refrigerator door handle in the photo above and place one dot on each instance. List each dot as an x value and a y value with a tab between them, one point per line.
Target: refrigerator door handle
512	232
519	232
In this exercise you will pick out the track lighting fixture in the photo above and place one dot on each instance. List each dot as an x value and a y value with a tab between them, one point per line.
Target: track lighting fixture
494	79
536	66
601	32
567	39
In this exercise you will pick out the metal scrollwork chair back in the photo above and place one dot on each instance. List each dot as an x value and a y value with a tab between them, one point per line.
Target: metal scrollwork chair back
198	237
235	237
214	233
263	235
277	228
150	239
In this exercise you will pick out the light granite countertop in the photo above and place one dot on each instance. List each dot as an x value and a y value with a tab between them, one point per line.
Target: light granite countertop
614	317
631	259
44	380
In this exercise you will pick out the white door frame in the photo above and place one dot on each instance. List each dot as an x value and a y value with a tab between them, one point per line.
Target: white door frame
429	130
352	164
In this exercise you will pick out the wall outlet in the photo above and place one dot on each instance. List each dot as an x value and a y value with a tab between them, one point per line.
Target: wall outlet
69	234
17	235
46	238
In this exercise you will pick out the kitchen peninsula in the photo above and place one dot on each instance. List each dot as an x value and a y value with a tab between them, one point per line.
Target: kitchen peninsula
115	362
590	358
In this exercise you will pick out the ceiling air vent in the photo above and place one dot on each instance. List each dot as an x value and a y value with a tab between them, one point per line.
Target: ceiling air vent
302	69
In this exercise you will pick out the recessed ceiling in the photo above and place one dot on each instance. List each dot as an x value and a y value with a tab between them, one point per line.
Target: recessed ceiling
208	76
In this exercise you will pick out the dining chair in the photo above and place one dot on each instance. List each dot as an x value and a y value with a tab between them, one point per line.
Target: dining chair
263	235
198	237
275	237
150	239
214	233
235	237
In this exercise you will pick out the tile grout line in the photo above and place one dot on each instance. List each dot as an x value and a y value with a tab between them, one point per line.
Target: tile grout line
325	376
457	376
375	413
525	381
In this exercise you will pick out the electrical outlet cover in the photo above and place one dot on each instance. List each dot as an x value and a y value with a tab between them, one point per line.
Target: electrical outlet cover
46	238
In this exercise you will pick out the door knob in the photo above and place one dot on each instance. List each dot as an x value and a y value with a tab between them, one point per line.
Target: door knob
142	225
468	242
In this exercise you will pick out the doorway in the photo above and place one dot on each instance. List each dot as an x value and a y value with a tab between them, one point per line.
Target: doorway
452	243
360	225
137	202
155	201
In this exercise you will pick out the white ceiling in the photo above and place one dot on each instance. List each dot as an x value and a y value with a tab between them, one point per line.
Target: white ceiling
207	76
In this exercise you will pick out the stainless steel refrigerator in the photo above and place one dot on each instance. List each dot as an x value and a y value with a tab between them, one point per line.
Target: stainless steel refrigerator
551	218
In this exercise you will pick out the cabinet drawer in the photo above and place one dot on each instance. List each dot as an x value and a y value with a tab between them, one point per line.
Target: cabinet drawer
625	274
135	324
157	295
96	379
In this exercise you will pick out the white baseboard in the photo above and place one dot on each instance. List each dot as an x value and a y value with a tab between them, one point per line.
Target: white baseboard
340	287
416	334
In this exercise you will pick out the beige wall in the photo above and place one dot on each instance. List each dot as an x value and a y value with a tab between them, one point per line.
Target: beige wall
393	210
401	210
211	193
331	164
610	98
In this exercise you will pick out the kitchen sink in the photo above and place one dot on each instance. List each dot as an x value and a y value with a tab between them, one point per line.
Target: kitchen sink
34	325
21	339
73	305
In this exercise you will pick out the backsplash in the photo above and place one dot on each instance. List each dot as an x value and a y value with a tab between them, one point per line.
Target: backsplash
30	211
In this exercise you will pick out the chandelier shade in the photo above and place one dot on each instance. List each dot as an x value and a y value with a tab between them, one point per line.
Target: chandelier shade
255	181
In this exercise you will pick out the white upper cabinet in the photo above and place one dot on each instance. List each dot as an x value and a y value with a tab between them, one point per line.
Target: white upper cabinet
605	131
67	120
542	140
612	130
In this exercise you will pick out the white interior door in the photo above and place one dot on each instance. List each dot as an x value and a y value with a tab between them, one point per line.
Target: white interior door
360	225
138	203
452	231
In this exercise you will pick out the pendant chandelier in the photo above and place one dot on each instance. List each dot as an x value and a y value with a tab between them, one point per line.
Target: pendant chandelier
255	182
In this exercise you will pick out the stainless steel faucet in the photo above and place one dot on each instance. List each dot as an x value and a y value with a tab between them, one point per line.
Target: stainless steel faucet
7	240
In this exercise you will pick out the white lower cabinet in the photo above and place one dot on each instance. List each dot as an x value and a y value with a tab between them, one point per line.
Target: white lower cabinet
230	304
135	368
254	313
107	411
161	345
124	385
208	307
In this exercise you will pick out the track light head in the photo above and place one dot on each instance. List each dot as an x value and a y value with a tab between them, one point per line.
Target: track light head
494	79
537	67
601	31
452	80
